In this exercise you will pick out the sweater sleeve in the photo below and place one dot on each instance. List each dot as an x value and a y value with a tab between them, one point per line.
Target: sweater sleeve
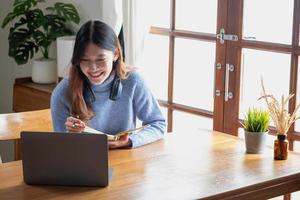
60	110
148	111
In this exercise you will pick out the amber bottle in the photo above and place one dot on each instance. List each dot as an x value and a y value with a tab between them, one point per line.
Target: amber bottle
281	147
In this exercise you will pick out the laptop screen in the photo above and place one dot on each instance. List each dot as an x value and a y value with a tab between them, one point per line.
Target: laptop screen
64	158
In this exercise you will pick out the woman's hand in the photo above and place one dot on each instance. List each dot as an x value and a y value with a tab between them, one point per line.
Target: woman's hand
122	141
74	125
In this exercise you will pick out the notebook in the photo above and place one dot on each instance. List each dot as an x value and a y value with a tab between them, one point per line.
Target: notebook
64	159
88	129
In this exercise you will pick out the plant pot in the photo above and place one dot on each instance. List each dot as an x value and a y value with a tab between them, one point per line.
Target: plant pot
255	141
44	71
65	47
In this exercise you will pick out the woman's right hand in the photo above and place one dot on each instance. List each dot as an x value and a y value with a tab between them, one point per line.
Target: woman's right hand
74	125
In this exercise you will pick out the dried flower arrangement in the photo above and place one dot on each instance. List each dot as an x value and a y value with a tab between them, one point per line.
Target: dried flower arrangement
279	111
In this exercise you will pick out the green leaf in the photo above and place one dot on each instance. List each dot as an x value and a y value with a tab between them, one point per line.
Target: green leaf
67	11
34	18
64	32
257	120
18	2
53	23
24	51
21	48
55	27
19	36
9	17
22	6
32	29
18	24
41	39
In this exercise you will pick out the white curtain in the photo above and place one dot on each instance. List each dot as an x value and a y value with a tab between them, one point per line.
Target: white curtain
134	16
112	14
136	26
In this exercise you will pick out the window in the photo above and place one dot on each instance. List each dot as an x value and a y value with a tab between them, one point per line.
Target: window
220	81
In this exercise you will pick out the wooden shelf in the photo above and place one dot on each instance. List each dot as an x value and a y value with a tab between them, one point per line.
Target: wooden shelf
29	96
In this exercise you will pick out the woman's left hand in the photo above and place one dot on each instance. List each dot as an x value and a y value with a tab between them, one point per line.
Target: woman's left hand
122	141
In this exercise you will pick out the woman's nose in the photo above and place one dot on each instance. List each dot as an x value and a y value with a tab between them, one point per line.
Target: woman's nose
93	66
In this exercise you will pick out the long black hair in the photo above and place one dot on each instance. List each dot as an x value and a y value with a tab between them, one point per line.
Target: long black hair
103	36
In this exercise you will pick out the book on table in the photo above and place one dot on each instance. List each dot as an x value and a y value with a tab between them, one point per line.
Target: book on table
116	136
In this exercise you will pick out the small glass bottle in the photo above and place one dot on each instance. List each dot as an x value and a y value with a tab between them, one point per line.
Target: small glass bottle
281	147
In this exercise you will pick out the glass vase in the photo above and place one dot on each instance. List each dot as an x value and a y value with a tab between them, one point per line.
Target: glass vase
281	147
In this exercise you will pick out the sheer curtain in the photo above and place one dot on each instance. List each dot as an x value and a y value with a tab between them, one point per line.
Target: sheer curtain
112	13
134	16
136	26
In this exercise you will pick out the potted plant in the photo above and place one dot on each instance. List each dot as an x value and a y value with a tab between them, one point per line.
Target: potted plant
282	119
256	128
34	30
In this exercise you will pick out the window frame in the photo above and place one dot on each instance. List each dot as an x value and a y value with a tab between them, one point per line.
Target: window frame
230	52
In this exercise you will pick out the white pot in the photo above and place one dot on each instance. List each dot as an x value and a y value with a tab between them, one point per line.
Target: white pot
255	141
65	47
44	71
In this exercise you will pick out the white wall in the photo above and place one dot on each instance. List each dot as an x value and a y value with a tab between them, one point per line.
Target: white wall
7	75
9	70
7	65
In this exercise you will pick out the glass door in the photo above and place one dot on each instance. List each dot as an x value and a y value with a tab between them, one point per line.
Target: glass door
267	47
179	62
204	59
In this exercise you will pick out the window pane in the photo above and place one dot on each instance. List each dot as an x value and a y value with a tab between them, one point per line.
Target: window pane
185	122
274	68
194	73
195	15
164	111
155	65
297	123
160	13
268	20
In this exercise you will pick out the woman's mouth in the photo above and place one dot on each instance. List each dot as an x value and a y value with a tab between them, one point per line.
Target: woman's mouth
96	75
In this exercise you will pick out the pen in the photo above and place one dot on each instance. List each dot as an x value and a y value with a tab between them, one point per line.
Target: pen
74	123
131	131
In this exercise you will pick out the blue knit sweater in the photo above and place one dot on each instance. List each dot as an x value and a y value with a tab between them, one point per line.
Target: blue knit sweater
112	117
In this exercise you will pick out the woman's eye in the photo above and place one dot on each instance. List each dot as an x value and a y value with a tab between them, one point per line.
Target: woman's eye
100	61
84	62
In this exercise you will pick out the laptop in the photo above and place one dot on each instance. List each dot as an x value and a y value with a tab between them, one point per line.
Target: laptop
67	159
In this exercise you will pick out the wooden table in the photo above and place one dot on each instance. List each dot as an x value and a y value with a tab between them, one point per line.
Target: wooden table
13	123
182	166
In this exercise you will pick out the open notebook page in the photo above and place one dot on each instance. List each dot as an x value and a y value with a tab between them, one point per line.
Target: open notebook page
91	130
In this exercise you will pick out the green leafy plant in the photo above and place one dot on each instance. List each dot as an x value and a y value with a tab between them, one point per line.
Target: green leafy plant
34	30
257	120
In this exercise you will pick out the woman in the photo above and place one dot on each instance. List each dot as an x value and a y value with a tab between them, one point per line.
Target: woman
101	92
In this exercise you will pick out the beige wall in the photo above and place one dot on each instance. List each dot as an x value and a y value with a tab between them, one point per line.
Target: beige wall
9	70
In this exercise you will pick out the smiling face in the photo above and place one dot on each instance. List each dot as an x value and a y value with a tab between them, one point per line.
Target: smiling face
97	63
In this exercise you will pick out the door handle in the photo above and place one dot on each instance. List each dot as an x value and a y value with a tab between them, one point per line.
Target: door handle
229	68
217	92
